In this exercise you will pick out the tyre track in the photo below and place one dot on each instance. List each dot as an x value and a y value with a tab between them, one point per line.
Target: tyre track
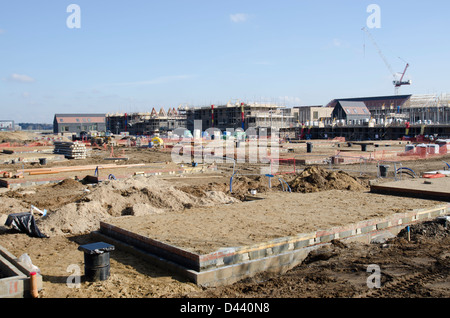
404	284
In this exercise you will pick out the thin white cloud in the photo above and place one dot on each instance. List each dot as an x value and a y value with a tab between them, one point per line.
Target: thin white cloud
19	78
239	17
158	80
337	42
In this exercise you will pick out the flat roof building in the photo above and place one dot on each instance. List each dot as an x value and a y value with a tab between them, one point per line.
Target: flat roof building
311	114
7	125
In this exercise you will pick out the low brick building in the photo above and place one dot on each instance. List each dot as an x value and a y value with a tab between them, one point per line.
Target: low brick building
75	124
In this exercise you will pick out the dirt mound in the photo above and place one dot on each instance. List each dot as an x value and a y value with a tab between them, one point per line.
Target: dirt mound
429	229
49	197
241	187
16	136
12	205
69	184
314	179
134	196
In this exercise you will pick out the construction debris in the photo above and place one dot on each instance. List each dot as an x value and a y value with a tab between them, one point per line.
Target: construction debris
24	222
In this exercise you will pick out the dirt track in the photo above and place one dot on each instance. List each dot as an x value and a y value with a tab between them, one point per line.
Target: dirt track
409	269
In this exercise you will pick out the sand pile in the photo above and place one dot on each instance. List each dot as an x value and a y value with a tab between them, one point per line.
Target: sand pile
12	205
241	187
314	179
135	196
16	136
49	197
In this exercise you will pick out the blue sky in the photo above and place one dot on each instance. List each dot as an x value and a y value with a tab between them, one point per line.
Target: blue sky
135	55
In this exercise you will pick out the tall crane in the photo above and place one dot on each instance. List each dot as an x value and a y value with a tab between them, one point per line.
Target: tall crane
398	77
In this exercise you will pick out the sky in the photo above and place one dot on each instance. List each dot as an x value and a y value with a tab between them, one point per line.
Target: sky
131	56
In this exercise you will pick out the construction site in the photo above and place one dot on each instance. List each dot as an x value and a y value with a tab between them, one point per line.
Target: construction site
305	219
202	154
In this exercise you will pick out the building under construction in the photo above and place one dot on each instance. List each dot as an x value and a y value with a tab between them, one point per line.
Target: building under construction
415	109
390	117
146	123
353	118
239	115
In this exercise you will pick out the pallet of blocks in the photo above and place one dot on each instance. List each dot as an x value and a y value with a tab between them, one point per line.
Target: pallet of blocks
71	150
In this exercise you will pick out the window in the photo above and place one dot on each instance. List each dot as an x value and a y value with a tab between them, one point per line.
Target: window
315	115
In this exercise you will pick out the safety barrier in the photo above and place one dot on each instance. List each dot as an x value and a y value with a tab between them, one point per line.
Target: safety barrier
282	166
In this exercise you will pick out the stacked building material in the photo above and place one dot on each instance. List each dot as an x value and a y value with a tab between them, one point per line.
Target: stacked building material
71	150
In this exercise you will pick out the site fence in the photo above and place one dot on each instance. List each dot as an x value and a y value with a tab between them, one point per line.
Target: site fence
26	144
391	169
282	166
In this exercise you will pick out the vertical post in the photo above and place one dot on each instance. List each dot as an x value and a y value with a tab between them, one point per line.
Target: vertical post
242	116
212	116
33	285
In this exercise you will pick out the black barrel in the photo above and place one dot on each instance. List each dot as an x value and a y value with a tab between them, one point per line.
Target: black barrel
43	161
383	171
309	147
96	261
363	147
96	266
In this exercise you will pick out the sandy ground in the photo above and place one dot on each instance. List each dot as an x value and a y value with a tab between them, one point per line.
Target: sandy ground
201	204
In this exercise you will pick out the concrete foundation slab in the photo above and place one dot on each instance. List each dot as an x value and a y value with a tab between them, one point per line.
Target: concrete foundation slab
228	265
434	189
